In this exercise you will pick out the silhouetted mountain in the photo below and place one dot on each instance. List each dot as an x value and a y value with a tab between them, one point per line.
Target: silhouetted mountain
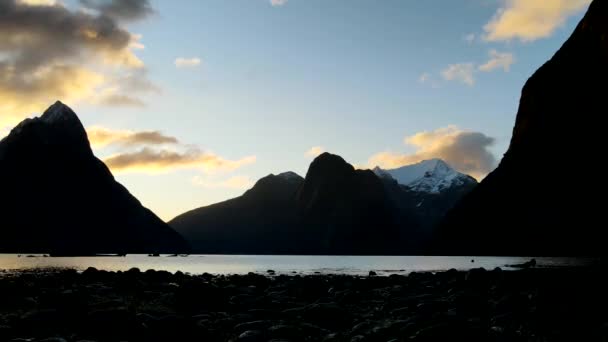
57	197
545	197
260	221
334	210
347	210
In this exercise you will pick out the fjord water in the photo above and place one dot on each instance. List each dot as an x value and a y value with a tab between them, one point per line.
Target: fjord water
282	264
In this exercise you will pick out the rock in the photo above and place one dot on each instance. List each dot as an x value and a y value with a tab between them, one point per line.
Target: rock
251	336
53	339
254	325
372	273
284	331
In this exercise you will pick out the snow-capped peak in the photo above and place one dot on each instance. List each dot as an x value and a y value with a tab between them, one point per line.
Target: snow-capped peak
432	176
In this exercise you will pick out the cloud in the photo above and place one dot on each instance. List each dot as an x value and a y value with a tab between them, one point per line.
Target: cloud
497	60
120	100
466	151
181	62
528	20
462	72
50	52
149	160
120	9
276	3
236	182
425	77
314	151
101	137
469	38
38	2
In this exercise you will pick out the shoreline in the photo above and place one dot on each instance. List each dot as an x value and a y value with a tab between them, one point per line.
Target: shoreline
477	305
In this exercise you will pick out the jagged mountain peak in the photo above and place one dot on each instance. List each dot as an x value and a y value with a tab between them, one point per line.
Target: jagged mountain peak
59	112
432	176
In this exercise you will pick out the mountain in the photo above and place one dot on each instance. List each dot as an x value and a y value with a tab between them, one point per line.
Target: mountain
347	210
432	176
258	222
335	209
57	197
423	193
546	196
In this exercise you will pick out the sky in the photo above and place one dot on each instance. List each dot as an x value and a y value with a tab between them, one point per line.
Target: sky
190	102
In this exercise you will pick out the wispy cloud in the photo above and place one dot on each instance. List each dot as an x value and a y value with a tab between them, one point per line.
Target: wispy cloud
461	72
101	137
314	151
182	62
150	160
276	3
236	182
466	151
529	20
498	60
469	38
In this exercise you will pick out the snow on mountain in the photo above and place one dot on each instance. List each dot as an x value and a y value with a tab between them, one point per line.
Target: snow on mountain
430	176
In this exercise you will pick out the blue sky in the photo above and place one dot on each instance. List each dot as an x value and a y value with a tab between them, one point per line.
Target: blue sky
353	77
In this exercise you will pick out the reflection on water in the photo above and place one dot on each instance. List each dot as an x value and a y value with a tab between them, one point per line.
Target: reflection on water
238	264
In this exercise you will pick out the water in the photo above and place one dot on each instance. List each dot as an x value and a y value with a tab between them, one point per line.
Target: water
240	264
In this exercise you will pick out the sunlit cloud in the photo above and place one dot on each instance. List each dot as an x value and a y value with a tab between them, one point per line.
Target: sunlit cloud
236	182
49	52
528	20
120	9
466	151
181	62
461	72
100	137
276	3
148	160
314	151
38	2
498	60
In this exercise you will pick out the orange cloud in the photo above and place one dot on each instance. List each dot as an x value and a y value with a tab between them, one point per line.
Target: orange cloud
528	20
50	52
148	160
101	137
466	151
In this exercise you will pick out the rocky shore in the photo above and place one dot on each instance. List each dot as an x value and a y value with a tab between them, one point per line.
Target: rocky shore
478	305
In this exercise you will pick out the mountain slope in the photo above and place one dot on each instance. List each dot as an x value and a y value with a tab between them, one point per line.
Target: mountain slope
57	197
258	222
334	210
543	199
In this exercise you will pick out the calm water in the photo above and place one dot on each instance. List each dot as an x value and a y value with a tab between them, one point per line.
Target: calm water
238	264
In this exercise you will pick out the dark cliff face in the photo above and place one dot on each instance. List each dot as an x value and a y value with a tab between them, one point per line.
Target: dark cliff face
545	198
57	197
347	209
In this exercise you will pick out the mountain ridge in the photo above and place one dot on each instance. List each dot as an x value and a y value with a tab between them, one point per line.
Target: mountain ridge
59	198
